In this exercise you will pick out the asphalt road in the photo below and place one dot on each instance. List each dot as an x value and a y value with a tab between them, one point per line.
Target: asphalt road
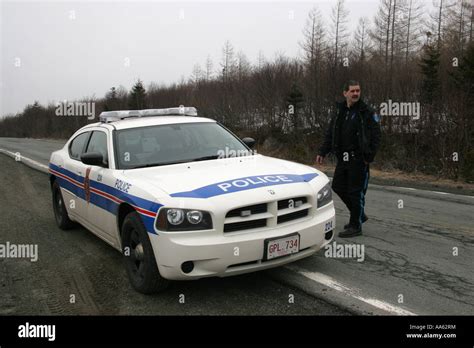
418	260
37	149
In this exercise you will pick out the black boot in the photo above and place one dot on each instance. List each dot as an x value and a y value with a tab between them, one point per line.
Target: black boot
364	219
351	231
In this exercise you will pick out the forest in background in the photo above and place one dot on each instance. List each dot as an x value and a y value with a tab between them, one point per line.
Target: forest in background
411	51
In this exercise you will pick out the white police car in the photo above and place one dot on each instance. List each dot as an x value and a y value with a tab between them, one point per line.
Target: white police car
171	193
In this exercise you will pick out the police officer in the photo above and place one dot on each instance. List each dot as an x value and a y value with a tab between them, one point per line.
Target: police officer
353	137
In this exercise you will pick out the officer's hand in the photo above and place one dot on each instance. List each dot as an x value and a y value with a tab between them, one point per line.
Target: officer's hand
319	159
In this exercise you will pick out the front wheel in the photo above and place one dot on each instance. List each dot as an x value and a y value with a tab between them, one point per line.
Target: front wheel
60	212
139	258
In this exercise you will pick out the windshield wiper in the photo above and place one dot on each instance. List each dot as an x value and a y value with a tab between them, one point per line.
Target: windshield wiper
159	164
205	158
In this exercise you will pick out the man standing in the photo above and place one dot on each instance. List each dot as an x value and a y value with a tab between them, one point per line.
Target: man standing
354	137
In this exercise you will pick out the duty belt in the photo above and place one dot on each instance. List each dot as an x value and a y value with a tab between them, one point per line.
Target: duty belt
355	154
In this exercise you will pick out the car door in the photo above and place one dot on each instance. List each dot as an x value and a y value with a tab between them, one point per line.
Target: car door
73	190
99	204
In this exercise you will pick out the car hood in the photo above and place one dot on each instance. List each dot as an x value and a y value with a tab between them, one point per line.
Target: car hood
215	177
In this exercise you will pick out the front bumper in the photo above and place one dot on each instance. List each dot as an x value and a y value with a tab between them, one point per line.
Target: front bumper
222	255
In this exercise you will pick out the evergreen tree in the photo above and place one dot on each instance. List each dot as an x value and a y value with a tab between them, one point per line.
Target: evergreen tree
112	94
137	99
111	100
464	84
430	69
464	78
295	102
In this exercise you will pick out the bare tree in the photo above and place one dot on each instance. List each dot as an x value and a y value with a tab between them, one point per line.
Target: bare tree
243	66
314	47
339	20
362	39
209	67
411	33
440	23
197	74
228	62
314	35
261	60
389	19
394	25
459	25
382	33
471	22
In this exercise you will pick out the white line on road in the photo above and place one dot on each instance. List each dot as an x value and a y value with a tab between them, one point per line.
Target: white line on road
334	284
28	161
422	190
414	189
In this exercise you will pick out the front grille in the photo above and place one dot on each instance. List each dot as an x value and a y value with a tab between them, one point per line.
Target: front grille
245	225
292	216
254	209
266	214
285	203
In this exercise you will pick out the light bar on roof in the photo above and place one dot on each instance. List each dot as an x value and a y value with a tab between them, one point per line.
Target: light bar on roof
111	116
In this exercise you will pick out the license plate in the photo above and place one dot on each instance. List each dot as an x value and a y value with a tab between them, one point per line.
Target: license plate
279	247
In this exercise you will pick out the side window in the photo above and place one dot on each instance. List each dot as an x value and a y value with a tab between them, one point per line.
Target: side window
98	143
77	145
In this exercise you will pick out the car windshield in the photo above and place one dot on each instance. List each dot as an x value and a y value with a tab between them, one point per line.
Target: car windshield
176	143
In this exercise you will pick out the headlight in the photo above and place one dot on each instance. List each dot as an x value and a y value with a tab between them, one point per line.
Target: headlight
325	195
175	216
194	217
174	219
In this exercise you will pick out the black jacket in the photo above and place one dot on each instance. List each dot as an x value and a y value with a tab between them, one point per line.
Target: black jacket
368	131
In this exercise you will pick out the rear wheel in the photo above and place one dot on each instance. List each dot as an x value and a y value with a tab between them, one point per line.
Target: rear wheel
60	212
140	260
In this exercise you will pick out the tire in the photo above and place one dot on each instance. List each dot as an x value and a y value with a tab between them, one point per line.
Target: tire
59	208
139	258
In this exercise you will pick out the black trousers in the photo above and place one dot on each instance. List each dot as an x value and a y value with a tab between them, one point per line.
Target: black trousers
350	182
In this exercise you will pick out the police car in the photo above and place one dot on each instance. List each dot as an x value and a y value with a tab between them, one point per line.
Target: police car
182	197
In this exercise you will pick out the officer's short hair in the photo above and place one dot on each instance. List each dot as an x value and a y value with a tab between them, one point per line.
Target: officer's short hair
350	83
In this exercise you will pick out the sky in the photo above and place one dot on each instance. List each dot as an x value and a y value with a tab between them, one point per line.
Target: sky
64	50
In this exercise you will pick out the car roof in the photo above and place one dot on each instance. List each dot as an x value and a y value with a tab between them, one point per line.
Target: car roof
136	122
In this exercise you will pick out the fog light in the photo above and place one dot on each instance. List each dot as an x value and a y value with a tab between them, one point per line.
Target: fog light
187	267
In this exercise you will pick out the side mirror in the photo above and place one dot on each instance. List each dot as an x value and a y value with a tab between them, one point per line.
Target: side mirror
250	142
93	159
